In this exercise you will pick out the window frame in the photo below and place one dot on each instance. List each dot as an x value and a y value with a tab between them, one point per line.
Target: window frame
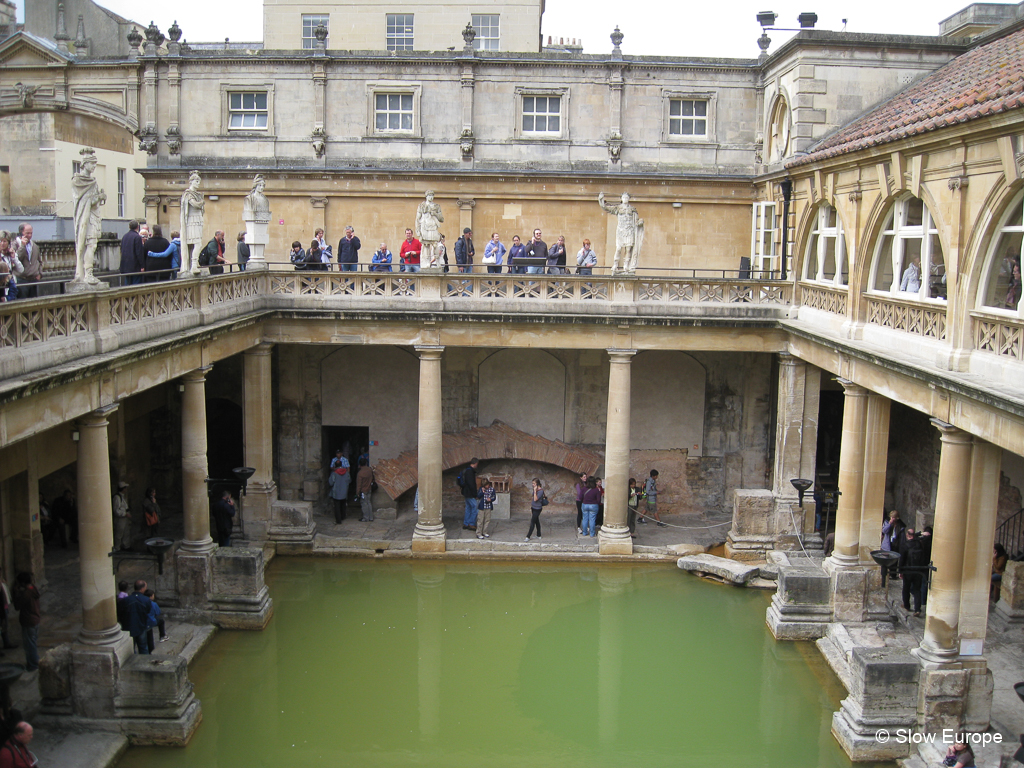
393	88
895	226
668	95
481	37
758	230
993	259
122	191
524	92
227	89
324	18
816	250
411	26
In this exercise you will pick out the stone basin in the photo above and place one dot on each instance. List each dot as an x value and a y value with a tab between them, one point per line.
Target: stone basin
725	569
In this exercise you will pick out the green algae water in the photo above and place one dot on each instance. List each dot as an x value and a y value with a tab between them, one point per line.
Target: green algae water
427	664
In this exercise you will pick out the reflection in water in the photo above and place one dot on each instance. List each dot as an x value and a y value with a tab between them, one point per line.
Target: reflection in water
431	664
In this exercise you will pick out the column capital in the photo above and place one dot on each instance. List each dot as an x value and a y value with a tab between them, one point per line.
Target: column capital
852	389
263	348
98	418
621	355
196	375
788	358
429	351
951	434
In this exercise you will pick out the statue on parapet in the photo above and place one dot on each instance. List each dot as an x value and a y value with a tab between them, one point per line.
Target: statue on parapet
192	214
427	229
629	234
88	198
256	206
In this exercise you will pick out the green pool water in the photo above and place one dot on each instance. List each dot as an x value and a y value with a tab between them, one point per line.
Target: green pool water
390	663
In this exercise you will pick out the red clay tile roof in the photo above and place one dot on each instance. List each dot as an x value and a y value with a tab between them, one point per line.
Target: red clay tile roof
984	81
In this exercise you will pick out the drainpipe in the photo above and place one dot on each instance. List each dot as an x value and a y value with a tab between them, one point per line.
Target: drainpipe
787	192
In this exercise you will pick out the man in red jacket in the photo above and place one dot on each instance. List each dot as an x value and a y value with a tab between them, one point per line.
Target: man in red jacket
410	253
14	753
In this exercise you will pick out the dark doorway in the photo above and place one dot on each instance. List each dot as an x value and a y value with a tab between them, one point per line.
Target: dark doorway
225	447
830	432
354	441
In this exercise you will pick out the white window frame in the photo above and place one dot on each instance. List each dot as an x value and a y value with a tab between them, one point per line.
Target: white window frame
226	89
817	247
761	261
314	20
386	88
76	167
407	38
562	94
997	251
711	101
896	226
488	31
122	191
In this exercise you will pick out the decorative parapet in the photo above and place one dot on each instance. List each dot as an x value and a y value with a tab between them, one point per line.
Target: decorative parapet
833	300
919	319
998	335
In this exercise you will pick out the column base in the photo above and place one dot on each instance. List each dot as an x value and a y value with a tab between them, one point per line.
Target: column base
428	538
836	562
257	266
202	547
108	637
291	526
800	608
931	657
614	541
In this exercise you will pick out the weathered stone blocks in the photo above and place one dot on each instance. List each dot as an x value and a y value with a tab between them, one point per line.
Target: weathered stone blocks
800	608
1011	593
239	596
751	534
723	568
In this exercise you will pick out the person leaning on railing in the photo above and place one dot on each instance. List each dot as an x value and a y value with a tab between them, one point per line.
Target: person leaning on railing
586	259
172	254
14	266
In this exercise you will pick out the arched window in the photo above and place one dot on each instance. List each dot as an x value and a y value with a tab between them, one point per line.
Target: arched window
908	261
1001	282
778	131
825	260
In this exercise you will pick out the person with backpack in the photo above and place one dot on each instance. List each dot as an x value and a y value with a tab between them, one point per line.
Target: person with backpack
467	484
212	255
485	499
651	493
537	502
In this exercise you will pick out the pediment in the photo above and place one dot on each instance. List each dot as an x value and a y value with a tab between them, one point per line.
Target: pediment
25	51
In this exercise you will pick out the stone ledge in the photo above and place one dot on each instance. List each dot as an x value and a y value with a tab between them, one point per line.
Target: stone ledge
727	570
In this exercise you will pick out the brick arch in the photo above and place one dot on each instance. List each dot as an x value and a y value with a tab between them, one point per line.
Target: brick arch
498	441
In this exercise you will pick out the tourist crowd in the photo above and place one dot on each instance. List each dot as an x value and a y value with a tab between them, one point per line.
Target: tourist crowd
21	264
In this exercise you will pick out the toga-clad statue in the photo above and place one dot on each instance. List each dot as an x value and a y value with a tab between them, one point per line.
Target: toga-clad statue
88	197
192	212
629	234
256	206
427	229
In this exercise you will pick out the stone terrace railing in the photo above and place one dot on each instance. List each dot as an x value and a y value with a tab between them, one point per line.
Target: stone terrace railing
833	300
922	320
1002	336
38	333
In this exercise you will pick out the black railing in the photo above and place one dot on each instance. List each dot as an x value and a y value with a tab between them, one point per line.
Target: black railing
1011	535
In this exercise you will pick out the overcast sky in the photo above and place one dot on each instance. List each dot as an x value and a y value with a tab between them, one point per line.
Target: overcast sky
678	29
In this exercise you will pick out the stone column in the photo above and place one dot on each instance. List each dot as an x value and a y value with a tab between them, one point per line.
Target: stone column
95	532
429	534
982	512
614	537
261	492
23	518
851	478
940	645
194	467
796	443
876	453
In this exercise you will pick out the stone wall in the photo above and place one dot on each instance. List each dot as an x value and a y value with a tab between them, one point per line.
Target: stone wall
912	473
733	410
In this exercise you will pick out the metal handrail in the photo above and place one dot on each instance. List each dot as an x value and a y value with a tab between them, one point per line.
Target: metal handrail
1011	535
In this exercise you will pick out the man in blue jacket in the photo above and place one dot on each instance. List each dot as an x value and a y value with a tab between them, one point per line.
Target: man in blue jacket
137	607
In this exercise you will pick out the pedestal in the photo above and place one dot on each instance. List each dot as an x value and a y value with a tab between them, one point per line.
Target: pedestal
800	607
751	535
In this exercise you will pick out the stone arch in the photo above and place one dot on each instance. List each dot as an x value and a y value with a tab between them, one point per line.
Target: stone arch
779	129
667	402
982	239
498	441
375	387
543	411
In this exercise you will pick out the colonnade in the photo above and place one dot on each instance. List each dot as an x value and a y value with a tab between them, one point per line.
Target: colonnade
614	537
964	526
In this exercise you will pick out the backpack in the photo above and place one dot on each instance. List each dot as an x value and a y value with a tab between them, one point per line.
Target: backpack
205	259
459	482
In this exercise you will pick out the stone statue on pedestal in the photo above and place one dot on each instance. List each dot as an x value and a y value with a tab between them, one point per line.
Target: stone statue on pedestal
629	234
88	197
427	229
192	213
256	214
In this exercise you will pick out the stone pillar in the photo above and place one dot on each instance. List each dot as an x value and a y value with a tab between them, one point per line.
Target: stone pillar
429	534
982	512
851	478
876	453
26	536
796	443
95	532
614	536
192	560
940	645
194	467
261	492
